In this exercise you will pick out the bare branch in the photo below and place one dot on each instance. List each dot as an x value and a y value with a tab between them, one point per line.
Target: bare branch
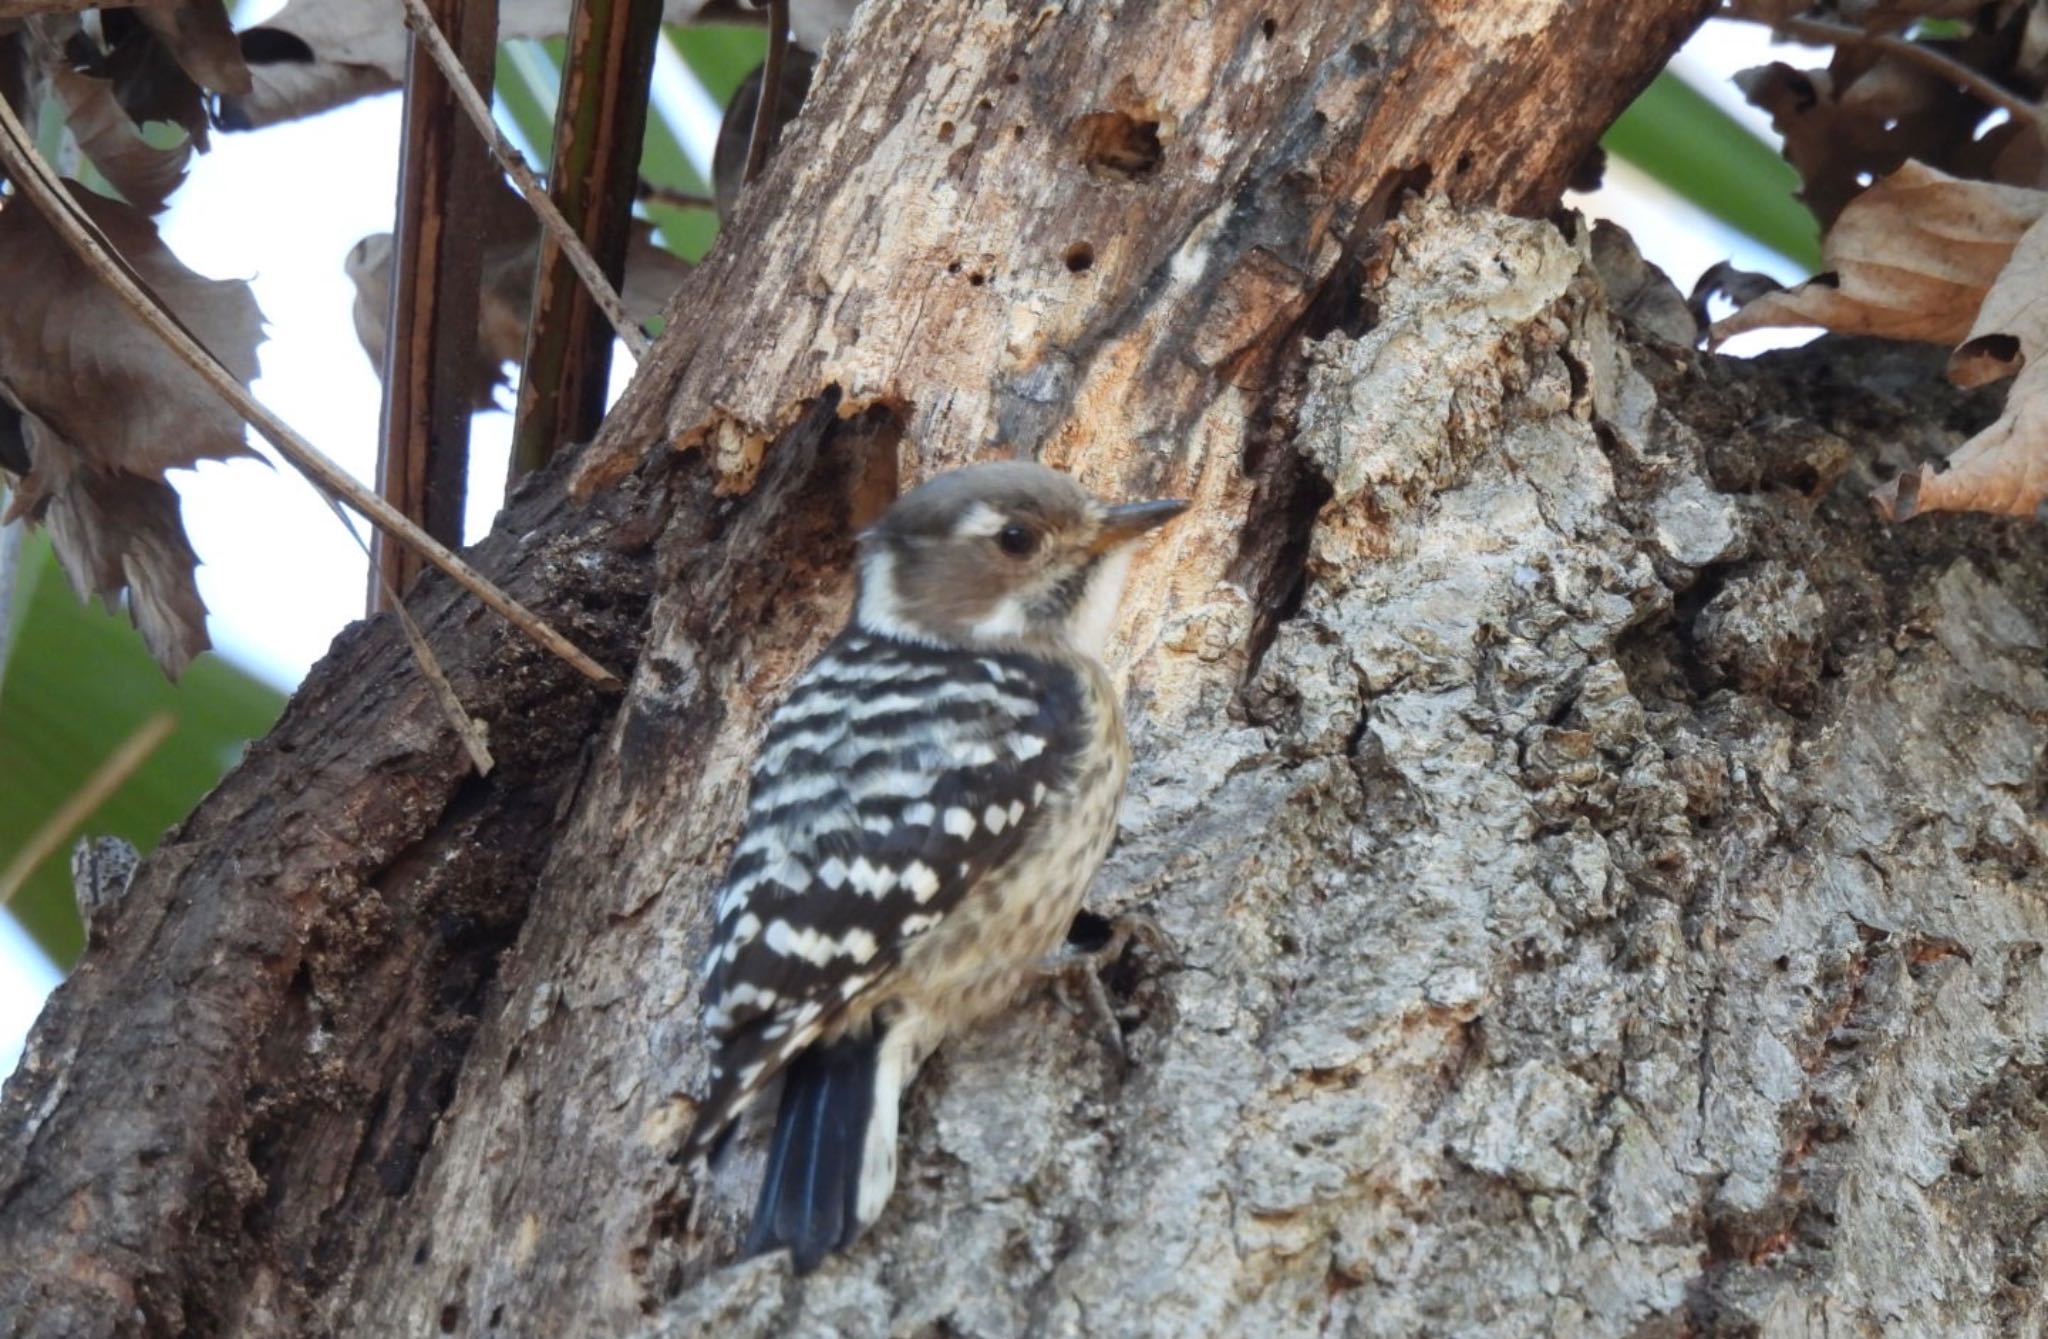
601	291
600	124
35	179
768	107
430	356
654	193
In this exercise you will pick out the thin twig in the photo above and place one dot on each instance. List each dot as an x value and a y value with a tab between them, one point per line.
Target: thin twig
654	193
1927	57
601	291
107	778
35	178
768	107
468	729
28	9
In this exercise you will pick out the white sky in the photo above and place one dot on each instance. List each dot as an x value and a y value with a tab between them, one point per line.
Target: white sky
281	207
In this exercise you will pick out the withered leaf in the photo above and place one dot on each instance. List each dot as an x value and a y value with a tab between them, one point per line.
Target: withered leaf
105	409
2004	468
198	36
314	55
158	58
112	531
508	235
1865	115
1910	258
146	64
143	173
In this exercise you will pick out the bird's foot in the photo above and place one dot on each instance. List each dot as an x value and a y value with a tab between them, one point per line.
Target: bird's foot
1097	944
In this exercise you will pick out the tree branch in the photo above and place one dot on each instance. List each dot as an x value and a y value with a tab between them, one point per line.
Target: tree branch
558	228
430	358
600	123
768	105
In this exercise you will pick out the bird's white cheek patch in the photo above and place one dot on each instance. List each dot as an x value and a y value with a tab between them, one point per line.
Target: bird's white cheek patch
1007	619
1096	617
880	608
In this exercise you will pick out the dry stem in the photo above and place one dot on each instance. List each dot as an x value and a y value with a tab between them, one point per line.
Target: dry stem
479	112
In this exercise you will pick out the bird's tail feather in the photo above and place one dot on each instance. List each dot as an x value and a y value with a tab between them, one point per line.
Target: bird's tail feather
810	1196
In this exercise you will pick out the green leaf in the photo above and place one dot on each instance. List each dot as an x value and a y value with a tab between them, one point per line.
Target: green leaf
1677	135
78	684
528	82
720	55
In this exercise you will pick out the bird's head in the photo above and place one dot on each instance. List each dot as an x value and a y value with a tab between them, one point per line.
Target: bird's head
1007	554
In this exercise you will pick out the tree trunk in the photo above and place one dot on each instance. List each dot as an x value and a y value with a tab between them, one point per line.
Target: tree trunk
1602	863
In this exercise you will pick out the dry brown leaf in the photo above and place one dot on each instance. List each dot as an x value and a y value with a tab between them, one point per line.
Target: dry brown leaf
2003	469
198	36
1857	121
317	54
144	174
144	64
509	237
105	409
148	77
115	531
79	362
1874	108
1911	258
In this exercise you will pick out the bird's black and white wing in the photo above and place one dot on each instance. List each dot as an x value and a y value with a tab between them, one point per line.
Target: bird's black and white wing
890	782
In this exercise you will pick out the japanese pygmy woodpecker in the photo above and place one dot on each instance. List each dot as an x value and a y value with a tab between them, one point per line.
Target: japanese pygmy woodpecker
926	810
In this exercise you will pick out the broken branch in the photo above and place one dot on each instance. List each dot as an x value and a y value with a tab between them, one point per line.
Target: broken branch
601	291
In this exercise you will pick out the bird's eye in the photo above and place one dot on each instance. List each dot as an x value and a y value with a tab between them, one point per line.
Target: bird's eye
1019	541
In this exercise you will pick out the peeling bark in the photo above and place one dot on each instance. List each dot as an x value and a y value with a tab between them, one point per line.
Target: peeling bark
1602	861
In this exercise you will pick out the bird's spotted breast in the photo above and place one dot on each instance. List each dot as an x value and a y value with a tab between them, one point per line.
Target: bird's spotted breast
893	781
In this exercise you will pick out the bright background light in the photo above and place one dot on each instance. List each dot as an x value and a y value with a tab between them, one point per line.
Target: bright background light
281	207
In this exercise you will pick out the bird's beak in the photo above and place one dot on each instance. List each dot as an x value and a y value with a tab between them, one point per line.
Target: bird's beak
1121	525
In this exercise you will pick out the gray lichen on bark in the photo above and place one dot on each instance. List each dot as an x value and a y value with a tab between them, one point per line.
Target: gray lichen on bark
1612	906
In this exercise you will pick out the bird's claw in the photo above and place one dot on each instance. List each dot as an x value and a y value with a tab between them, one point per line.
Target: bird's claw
1076	971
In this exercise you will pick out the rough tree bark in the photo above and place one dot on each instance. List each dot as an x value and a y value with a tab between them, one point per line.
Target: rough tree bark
1604	864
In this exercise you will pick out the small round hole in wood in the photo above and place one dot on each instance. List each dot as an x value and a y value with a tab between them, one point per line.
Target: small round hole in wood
1117	144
